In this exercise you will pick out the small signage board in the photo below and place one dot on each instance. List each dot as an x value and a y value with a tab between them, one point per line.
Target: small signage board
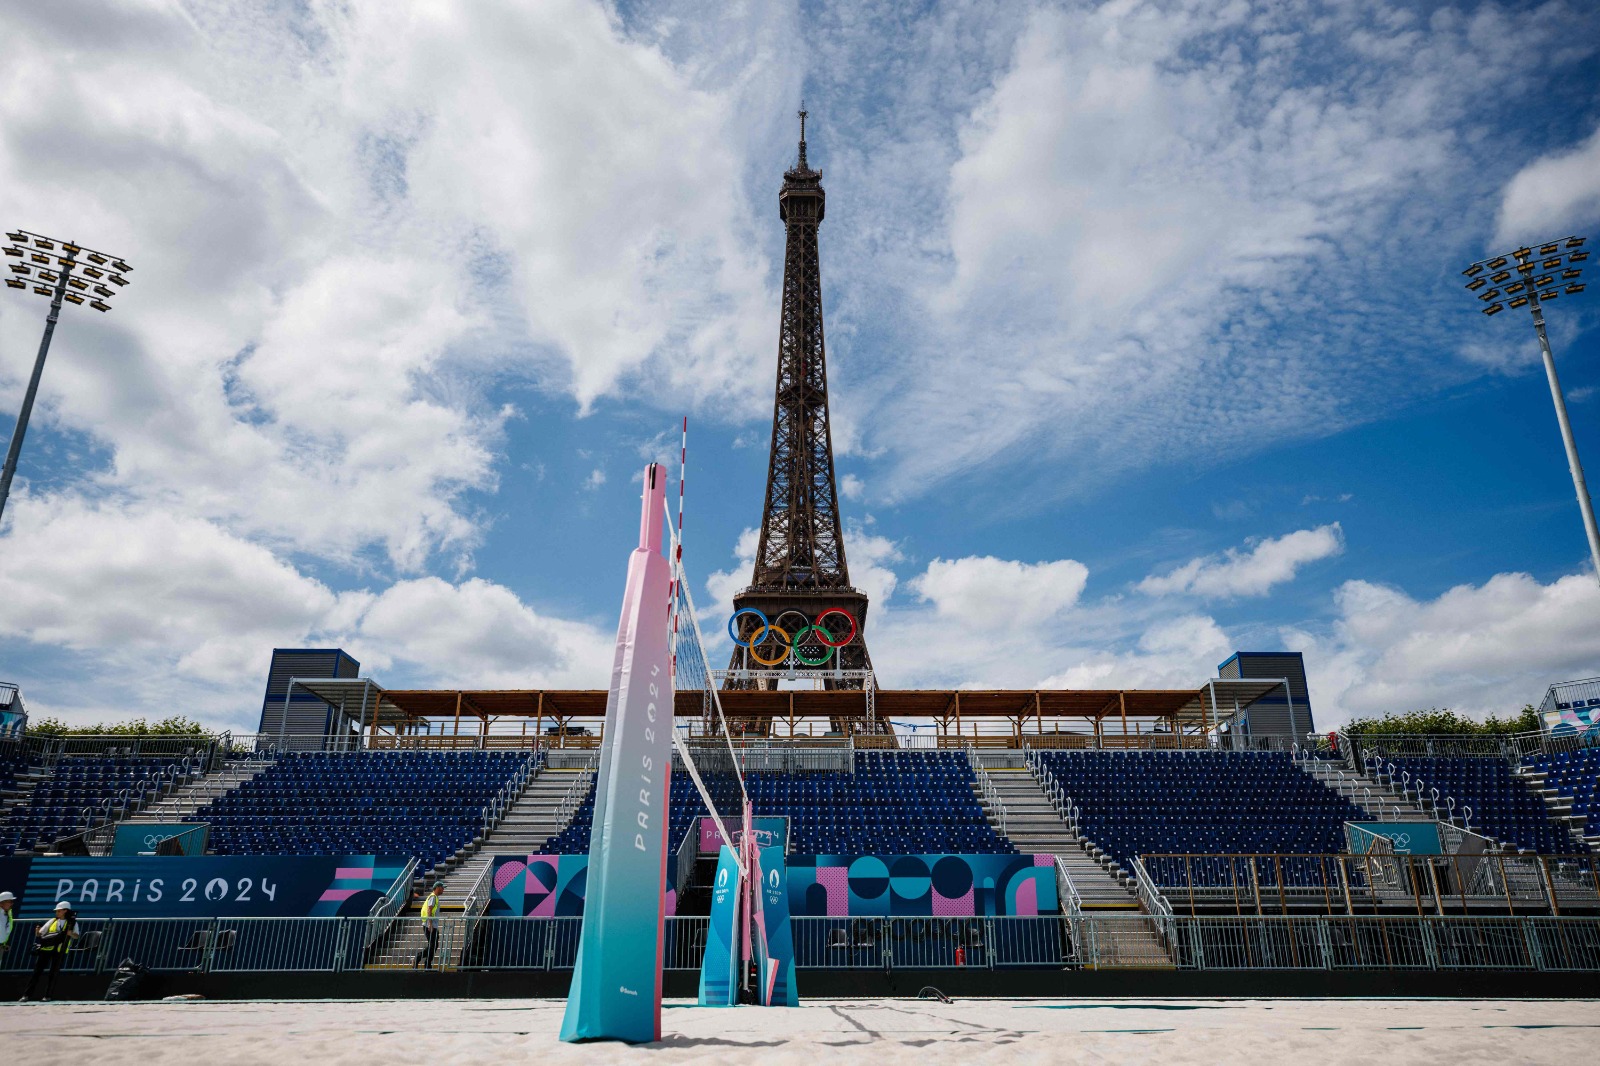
1408	838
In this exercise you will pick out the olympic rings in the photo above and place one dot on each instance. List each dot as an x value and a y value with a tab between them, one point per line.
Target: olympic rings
791	644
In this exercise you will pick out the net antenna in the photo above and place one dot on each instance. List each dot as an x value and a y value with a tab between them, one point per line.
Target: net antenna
691	670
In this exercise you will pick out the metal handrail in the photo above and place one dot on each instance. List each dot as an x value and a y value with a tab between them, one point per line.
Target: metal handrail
991	794
1154	903
574	797
1065	808
1371	803
1073	902
495	809
391	903
477	899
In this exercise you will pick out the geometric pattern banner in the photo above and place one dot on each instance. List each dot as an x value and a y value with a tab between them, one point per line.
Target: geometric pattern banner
545	886
922	885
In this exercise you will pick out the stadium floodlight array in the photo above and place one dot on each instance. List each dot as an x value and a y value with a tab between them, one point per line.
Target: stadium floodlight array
64	271
1531	277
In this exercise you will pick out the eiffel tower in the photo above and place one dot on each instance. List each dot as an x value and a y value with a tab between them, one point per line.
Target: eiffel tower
800	570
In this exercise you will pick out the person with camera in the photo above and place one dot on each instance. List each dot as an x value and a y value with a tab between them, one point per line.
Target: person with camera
51	941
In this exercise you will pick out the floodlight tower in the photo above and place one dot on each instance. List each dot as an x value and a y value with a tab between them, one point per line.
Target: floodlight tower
1555	262
47	266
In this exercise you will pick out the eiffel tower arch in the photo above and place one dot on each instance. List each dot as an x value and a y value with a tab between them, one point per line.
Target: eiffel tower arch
801	578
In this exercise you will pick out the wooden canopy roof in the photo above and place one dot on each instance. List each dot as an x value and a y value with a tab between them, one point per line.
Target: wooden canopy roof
1188	706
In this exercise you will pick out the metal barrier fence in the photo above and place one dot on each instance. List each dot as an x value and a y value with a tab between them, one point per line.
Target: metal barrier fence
1052	942
1377	880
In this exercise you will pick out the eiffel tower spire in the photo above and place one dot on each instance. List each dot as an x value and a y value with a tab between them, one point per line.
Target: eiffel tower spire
800	568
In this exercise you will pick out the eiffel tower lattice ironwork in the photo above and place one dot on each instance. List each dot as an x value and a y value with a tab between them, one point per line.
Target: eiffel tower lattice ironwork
801	578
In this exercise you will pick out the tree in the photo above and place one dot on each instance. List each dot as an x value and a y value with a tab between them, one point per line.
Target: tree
1436	722
175	726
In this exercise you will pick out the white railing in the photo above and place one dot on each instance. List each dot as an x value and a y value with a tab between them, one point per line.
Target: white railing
390	904
1375	804
495	809
1565	945
1065	808
688	852
1153	902
476	903
1071	902
574	798
991	795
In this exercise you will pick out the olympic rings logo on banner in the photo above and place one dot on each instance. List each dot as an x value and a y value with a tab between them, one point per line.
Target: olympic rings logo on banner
791	644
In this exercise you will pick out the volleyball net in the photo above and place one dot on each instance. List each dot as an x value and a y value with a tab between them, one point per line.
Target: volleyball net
711	759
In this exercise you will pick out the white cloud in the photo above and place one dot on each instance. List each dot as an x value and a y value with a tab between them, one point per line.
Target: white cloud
478	634
989	593
351	225
852	487
1149	203
983	622
173	614
152	584
1249	573
324	291
1552	196
1175	653
1477	649
596	478
723	584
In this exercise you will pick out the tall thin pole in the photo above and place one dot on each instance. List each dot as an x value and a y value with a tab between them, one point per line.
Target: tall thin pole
1585	504
33	389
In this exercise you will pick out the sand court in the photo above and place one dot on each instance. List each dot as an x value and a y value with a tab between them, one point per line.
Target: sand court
357	1033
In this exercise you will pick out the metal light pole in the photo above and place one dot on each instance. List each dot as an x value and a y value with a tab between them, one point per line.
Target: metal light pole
34	254
1538	277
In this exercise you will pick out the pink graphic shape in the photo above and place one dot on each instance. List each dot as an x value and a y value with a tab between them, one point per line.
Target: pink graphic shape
332	894
507	874
1027	898
953	906
353	873
836	880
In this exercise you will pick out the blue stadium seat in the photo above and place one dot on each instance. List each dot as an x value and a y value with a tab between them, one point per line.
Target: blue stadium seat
427	804
1136	803
1502	804
56	807
915	803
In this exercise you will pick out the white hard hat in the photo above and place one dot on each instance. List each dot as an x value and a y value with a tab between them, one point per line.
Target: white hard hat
63	906
6	897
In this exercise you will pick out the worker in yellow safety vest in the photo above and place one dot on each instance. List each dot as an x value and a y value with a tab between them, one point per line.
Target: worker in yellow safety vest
430	927
51	941
8	921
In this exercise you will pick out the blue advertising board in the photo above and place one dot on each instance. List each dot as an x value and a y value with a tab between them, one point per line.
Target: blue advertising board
922	885
203	886
1408	838
142	838
770	830
719	967
777	938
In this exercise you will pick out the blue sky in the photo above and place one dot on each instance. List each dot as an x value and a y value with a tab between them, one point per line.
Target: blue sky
1146	338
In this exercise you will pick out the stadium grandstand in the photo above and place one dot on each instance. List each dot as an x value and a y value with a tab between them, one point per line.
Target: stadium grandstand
1147	825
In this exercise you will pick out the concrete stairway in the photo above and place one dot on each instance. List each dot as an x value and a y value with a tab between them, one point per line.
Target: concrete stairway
1033	826
188	800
